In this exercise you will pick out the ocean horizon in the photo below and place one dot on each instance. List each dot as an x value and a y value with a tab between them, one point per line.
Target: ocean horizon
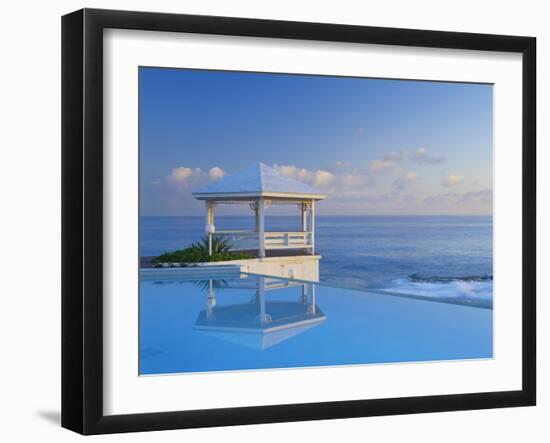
442	257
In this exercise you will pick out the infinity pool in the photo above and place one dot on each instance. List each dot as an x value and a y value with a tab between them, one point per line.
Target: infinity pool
243	322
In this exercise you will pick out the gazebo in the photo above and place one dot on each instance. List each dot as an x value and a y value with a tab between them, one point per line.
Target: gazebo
260	187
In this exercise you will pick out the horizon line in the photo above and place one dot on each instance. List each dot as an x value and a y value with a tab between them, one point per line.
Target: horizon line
330	215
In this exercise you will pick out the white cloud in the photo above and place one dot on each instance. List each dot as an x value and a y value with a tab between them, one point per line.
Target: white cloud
323	178
318	177
452	180
216	173
481	197
355	180
297	173
337	178
184	178
405	180
484	196
182	173
384	164
392	160
350	189
422	156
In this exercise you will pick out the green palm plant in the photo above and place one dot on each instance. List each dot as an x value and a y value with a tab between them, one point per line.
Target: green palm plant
198	252
219	245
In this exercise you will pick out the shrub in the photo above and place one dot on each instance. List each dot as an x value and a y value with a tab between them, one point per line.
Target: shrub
218	245
198	252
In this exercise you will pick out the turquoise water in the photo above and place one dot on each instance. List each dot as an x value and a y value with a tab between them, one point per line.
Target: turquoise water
242	322
440	257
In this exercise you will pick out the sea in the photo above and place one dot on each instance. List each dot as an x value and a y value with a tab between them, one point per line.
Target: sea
444	258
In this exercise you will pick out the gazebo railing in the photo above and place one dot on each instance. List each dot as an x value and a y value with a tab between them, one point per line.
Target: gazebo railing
245	240
287	240
240	240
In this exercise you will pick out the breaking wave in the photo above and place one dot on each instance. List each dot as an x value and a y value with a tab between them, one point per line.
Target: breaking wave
476	290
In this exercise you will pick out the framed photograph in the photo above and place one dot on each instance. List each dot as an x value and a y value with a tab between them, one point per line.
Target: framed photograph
269	221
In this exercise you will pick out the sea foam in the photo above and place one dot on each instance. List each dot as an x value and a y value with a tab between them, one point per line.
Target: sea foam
471	290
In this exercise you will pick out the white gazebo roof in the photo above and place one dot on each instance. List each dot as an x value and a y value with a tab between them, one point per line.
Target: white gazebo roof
259	180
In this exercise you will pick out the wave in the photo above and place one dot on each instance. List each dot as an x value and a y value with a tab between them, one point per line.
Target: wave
476	290
443	279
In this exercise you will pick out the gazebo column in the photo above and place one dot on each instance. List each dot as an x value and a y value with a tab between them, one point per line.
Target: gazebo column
209	223
303	207
312	227
261	227
256	217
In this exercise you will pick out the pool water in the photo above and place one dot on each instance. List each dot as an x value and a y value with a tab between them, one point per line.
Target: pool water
246	322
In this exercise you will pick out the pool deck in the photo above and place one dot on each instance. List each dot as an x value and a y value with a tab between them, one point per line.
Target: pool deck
146	262
286	264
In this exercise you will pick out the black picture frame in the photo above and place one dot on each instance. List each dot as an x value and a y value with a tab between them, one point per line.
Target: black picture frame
82	218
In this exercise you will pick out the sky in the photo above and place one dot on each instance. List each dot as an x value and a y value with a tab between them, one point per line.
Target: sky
372	146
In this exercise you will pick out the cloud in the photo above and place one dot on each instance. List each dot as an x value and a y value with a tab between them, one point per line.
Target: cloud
355	180
300	174
340	181
318	177
184	178
481	197
350	189
323	178
394	159
337	178
182	173
347	175
405	181
384	164
421	156
374	201
452	180
216	173
484	196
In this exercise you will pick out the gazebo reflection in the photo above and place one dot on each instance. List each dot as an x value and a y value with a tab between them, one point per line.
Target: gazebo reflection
259	323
